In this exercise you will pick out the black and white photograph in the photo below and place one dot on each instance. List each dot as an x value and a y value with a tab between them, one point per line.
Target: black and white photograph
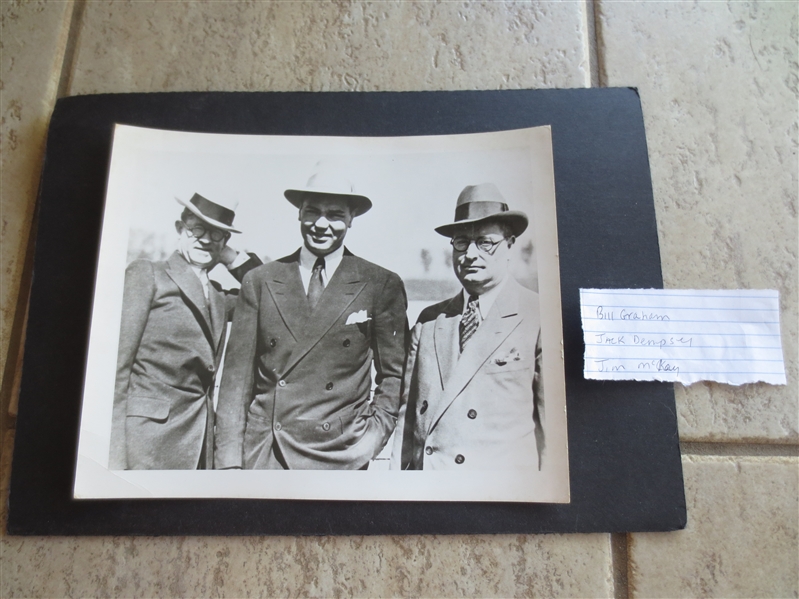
327	318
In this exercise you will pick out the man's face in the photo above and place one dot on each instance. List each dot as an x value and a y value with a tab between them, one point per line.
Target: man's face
477	269
202	250
324	221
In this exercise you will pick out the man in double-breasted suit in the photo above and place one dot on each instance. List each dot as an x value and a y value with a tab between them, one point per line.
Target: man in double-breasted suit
173	328
308	328
472	394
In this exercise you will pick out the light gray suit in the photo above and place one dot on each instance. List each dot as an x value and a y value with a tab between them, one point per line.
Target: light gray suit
481	409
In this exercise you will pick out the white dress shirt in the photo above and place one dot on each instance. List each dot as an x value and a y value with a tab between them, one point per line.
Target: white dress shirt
308	259
485	301
202	274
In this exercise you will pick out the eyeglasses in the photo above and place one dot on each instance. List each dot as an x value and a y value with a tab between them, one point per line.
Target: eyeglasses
199	232
484	244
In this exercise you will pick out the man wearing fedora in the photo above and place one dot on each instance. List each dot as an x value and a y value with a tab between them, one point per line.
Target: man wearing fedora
170	343
472	395
296	387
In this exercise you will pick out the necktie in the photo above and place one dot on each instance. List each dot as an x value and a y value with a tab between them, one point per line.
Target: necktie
470	320
203	275
316	286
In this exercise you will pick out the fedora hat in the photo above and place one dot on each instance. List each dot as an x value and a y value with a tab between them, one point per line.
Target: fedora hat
215	214
326	181
479	203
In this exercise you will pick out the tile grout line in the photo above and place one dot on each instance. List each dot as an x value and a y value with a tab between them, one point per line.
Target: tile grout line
68	62
619	542
591	44
12	372
619	558
740	450
601	72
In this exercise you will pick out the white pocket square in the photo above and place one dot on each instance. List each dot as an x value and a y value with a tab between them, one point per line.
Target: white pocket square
357	317
512	356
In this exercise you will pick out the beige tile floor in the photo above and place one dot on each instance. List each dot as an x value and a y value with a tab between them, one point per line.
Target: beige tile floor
718	82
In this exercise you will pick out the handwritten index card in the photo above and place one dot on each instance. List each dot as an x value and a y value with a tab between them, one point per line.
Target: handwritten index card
682	335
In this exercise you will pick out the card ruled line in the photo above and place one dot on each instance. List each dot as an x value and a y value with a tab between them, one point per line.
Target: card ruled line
721	295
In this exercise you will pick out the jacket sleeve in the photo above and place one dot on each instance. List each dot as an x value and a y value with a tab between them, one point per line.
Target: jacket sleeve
235	392
136	301
390	331
401	452
241	270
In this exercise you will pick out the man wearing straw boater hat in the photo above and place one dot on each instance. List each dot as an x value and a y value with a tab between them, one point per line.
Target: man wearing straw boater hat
472	395
173	328
296	387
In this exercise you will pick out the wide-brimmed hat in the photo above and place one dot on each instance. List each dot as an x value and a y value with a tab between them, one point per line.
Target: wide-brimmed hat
326	181
215	214
483	202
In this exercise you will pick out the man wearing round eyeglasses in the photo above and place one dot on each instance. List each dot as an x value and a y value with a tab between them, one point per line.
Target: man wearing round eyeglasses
171	337
472	394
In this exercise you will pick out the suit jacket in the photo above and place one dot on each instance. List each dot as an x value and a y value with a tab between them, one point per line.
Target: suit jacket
296	384
169	347
480	409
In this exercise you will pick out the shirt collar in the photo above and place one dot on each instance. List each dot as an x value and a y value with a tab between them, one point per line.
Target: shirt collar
332	260
202	274
487	300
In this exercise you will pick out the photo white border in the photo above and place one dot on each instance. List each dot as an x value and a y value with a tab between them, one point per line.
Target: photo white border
93	480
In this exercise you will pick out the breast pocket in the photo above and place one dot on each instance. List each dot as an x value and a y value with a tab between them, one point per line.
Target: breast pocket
507	361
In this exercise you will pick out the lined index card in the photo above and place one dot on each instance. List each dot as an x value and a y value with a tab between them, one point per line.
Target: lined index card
682	335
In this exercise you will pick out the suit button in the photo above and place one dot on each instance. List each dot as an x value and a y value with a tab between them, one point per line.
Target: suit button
423	409
210	368
329	386
459	459
272	342
326	426
346	343
281	383
428	450
277	426
472	414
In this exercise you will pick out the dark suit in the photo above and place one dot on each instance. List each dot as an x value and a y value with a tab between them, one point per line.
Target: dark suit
480	409
296	384
169	348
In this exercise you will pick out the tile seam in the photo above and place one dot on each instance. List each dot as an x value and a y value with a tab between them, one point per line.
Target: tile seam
68	60
743	450
591	45
9	385
601	75
619	556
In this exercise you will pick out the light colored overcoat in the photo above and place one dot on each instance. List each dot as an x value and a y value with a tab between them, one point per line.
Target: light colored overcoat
480	410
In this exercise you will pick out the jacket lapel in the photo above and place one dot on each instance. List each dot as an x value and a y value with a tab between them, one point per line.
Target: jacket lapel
285	286
500	322
340	292
192	290
445	337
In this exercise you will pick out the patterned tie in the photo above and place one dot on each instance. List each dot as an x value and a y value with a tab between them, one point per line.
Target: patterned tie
315	286
470	320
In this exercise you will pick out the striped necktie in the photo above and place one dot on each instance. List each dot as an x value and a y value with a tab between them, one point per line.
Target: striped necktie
470	320
316	286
